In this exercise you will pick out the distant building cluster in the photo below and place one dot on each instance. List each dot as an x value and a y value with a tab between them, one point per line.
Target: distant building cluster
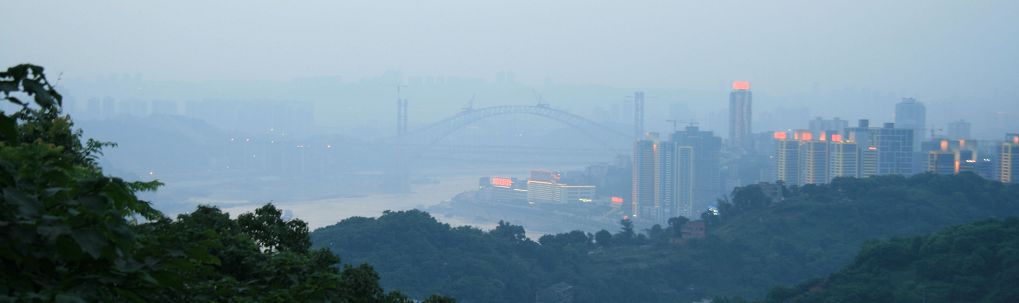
675	177
542	187
814	157
686	173
294	117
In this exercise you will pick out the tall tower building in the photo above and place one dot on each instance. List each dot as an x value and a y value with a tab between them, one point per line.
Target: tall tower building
787	159
638	115
674	182
740	116
706	149
895	150
883	151
665	180
686	183
954	157
1009	160
845	158
912	115
814	160
643	190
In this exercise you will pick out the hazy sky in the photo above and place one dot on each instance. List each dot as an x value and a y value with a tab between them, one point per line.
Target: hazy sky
917	47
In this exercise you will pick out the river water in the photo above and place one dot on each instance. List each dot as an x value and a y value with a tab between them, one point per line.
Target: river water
327	211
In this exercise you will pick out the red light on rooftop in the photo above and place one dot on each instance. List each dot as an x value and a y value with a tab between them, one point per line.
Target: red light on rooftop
836	138
823	137
944	145
780	135
741	85
617	200
1015	139
501	182
806	136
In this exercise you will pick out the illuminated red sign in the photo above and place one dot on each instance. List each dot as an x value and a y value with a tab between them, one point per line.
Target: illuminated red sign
836	138
501	182
779	135
741	85
617	200
803	135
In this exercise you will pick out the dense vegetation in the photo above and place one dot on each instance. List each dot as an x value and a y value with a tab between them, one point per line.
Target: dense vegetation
756	242
69	233
977	262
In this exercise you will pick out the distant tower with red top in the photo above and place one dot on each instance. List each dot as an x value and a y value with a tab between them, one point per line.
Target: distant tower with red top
740	113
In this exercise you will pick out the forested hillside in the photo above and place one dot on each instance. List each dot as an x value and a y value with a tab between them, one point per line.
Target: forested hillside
977	262
756	242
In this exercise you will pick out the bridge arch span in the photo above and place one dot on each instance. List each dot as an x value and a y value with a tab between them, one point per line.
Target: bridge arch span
433	133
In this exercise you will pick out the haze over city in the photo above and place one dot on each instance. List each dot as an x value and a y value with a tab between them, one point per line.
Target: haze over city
797	53
509	151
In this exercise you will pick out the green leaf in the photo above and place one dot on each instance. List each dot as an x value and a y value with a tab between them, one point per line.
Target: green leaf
8	128
8	86
69	298
15	100
27	206
90	241
52	232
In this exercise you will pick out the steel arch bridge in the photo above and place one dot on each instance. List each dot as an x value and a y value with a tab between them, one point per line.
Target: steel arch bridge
431	134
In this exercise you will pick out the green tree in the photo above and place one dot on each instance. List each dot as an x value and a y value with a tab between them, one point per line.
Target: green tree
505	230
66	228
676	226
272	233
603	237
626	233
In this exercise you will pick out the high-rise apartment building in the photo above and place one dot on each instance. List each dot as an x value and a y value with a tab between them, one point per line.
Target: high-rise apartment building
665	180
643	190
666	176
895	150
954	157
804	159
1008	160
883	151
942	162
844	158
910	114
706	149
740	116
787	159
813	160
686	183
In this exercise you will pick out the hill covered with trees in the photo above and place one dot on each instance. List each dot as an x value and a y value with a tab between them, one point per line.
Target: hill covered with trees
977	262
70	233
760	238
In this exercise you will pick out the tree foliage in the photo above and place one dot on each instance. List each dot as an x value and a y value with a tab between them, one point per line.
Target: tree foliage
976	262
